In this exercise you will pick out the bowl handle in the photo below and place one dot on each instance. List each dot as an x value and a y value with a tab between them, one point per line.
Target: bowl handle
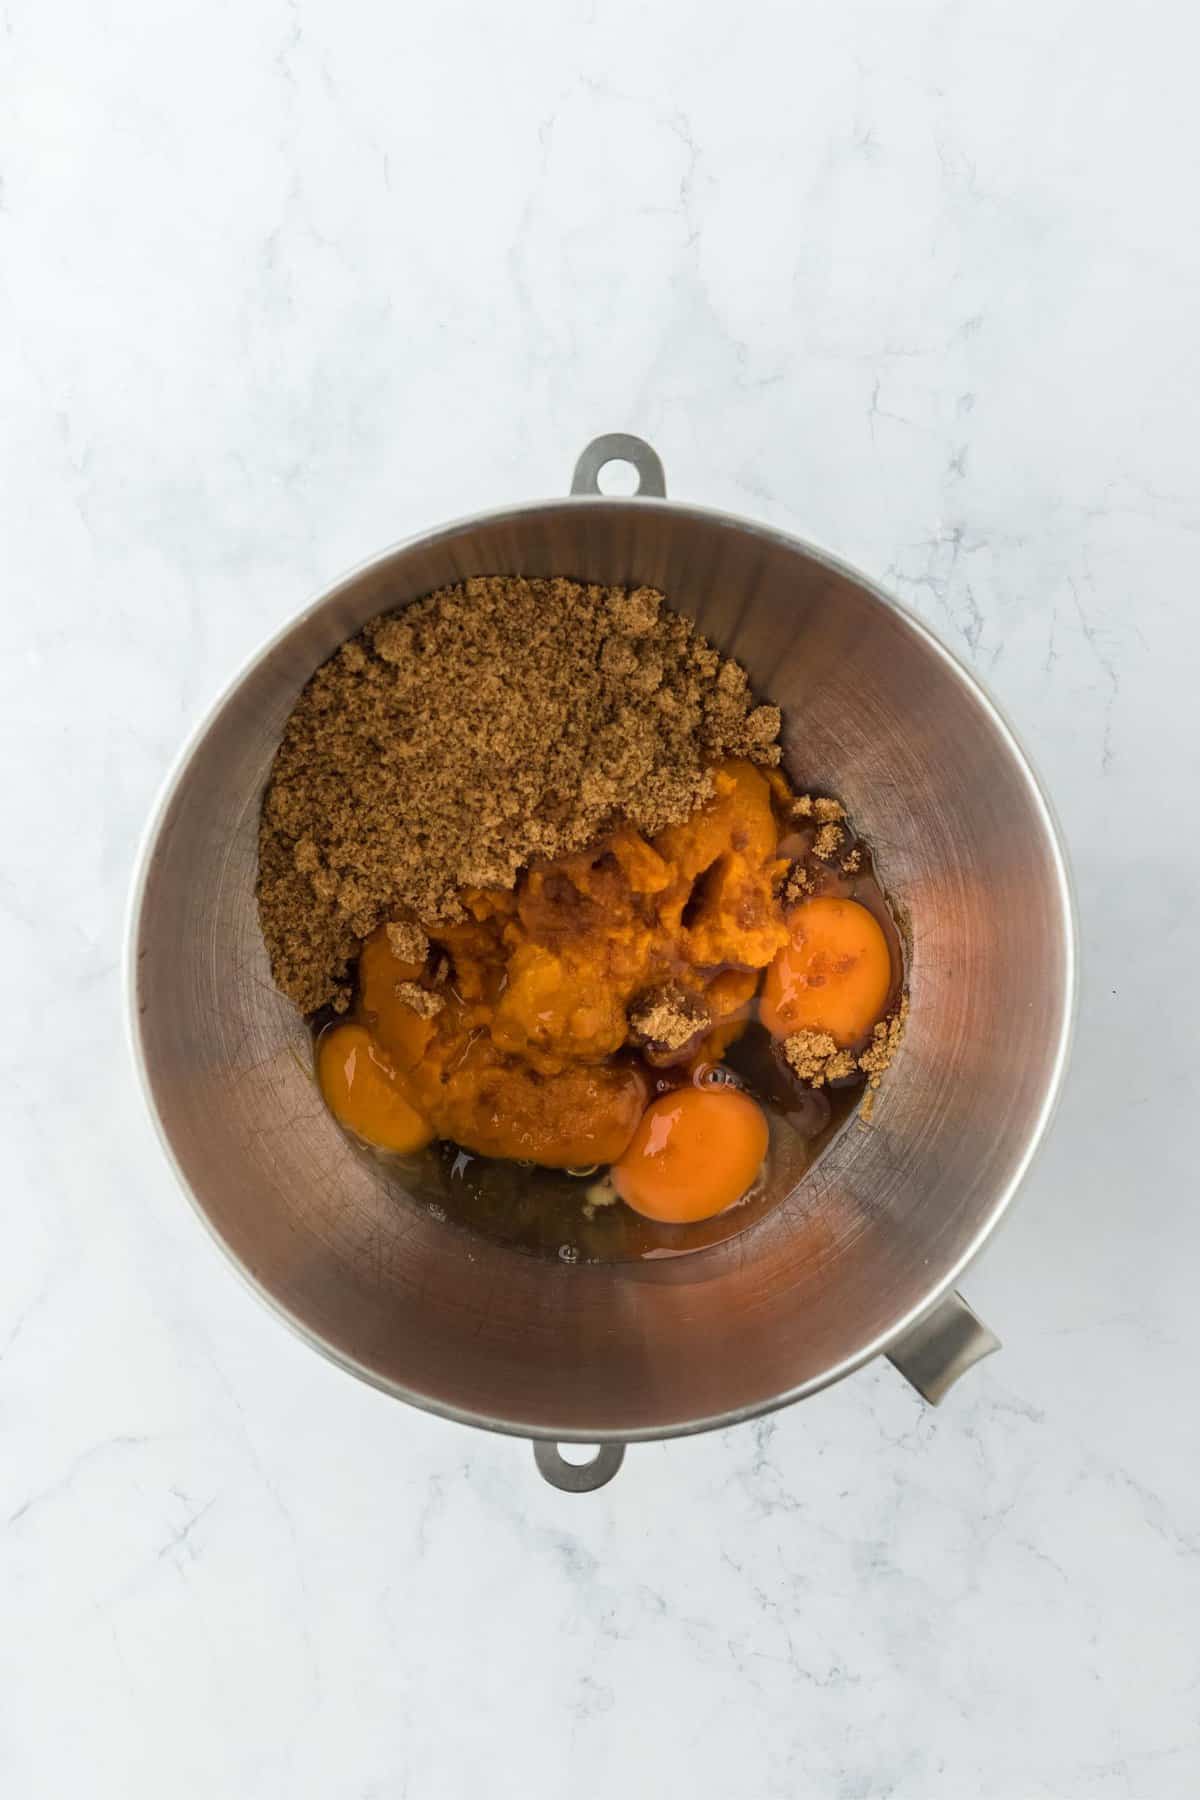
577	1478
931	1356
619	446
942	1347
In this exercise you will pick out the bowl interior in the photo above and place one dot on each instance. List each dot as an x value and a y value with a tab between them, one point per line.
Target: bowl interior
875	711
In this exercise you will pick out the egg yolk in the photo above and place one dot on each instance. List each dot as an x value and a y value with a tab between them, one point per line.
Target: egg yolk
401	1034
833	975
362	1091
695	1152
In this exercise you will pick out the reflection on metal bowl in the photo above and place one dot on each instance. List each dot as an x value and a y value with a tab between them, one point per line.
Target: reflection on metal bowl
858	1258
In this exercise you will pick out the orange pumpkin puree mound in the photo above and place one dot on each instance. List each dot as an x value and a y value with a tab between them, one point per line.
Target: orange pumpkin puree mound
510	1039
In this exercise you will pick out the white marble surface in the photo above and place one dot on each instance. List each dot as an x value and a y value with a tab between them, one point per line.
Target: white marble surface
282	282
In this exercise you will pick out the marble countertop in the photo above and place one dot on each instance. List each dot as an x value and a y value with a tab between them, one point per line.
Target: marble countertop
282	283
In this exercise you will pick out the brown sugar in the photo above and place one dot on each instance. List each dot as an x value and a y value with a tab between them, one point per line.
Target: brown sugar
797	884
828	841
815	1058
407	941
421	1000
818	807
488	726
668	1017
885	1041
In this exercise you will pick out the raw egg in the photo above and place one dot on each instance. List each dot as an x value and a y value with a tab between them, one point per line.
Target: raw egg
695	1152
363	1091
833	975
401	1033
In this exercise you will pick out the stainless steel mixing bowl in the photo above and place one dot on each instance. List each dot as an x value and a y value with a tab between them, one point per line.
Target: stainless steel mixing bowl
861	1257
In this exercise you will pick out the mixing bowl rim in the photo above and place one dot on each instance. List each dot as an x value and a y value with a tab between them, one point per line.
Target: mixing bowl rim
815	553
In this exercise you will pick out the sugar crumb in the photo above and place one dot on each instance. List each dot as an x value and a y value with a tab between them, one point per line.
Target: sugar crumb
819	807
815	1058
796	884
828	842
407	941
423	1001
668	1017
885	1041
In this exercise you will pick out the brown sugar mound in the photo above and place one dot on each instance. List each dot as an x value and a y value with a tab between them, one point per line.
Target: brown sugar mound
451	743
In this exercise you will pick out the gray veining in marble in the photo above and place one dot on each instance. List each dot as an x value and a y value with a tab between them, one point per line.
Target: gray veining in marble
283	282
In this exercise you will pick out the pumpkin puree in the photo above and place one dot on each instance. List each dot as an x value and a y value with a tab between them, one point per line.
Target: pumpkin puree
515	1036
